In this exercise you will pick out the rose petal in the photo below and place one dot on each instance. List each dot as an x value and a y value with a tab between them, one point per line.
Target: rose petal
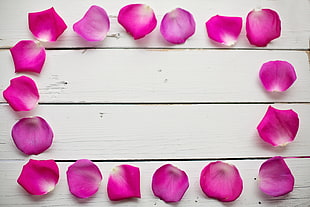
38	177
277	75
221	181
262	26
275	178
278	127
46	25
137	19
84	178
94	26
169	183
22	94
32	135
177	26
223	29
28	56
124	182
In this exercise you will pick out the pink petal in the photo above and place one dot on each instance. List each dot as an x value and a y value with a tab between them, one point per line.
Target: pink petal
275	178
277	75
46	25
224	30
22	94
177	26
124	182
84	178
28	56
262	26
94	26
169	183
221	181
137	19
32	135
278	127
38	177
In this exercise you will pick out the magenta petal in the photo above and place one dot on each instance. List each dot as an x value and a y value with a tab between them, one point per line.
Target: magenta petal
32	135
28	56
137	19
262	26
94	26
169	183
221	181
275	178
277	75
38	177
46	25
177	26
22	94
124	182
278	127
84	178
224	30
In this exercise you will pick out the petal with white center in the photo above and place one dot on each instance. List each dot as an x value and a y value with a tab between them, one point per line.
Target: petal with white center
22	94
278	127
137	19
39	177
124	182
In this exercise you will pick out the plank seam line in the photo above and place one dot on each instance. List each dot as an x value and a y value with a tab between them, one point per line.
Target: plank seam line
167	103
184	160
172	49
169	160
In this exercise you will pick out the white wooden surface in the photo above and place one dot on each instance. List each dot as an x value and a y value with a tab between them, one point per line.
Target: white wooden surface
148	103
111	132
13	195
295	32
141	76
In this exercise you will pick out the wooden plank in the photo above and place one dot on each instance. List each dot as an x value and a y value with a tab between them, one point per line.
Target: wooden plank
109	132
140	76
12	194
295	28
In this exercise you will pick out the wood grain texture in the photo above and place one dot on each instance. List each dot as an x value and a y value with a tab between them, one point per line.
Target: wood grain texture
148	103
108	132
11	194
295	28
167	76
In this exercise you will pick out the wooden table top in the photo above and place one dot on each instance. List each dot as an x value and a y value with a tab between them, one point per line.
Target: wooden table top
146	103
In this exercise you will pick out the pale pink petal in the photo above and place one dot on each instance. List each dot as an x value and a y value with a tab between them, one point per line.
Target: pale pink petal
223	29
275	178
278	127
137	19
177	26
221	181
169	183
28	56
84	178
38	177
124	182
22	94
277	75
94	26
46	25
262	26
32	135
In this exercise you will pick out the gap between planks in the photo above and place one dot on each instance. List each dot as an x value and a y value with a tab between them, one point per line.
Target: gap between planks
165	160
165	103
307	50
